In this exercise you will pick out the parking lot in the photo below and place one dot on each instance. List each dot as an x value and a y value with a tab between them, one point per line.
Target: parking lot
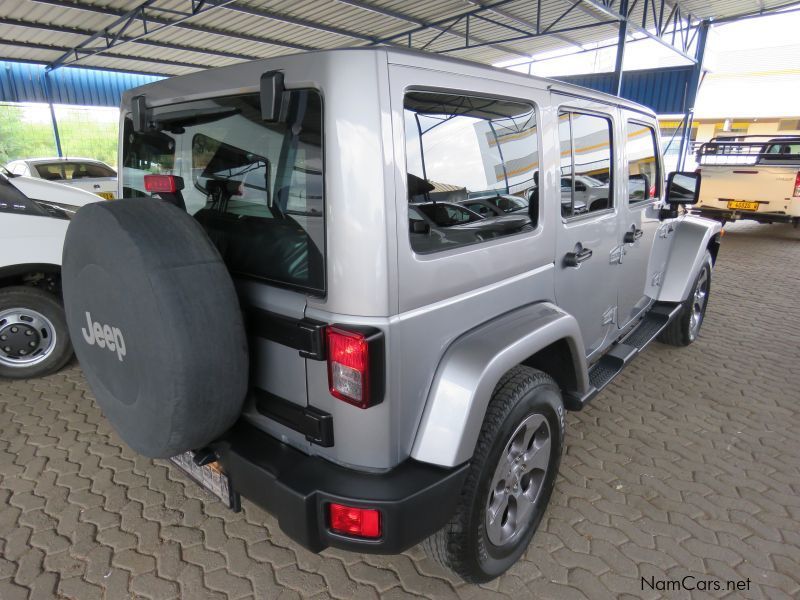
689	464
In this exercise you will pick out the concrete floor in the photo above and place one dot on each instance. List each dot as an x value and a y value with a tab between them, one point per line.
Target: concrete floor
689	464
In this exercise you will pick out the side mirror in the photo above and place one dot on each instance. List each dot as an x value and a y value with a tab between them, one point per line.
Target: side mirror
420	227
580	187
271	96
683	187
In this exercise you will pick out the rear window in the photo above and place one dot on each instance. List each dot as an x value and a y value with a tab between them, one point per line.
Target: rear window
256	187
67	171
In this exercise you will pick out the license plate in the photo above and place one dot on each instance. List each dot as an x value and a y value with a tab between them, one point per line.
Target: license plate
106	195
742	205
209	476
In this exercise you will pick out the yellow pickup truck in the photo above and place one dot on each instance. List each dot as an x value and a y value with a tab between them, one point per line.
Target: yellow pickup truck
750	177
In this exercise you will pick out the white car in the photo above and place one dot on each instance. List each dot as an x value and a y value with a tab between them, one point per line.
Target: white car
34	215
83	173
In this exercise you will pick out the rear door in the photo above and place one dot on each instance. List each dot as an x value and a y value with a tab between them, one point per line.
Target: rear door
639	222
586	268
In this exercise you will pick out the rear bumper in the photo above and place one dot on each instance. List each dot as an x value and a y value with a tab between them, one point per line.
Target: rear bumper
415	499
735	215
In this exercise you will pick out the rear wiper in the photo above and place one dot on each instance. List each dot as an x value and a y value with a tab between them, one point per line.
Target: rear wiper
182	118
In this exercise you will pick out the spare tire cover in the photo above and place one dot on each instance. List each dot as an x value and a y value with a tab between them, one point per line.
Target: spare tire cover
156	324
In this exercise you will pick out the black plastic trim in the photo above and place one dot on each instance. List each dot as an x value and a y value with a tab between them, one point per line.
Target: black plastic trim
315	424
415	499
305	335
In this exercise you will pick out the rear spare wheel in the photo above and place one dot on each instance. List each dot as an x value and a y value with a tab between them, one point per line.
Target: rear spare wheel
155	323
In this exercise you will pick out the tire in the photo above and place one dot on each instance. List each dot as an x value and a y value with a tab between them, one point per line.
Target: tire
468	545
685	328
34	340
156	324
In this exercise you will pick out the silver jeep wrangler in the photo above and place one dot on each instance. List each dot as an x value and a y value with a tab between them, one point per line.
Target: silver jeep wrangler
295	302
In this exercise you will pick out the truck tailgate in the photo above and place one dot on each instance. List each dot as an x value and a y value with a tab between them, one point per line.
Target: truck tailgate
749	183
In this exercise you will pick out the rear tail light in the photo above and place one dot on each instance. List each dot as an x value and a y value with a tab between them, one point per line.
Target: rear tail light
348	366
797	184
358	522
160	184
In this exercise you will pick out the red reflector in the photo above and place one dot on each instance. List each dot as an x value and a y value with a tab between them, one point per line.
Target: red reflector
360	522
160	183
348	366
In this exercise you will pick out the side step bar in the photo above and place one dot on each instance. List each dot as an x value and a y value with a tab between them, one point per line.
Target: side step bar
623	352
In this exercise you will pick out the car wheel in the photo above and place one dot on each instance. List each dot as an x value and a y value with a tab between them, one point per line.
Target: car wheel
34	340
685	328
510	478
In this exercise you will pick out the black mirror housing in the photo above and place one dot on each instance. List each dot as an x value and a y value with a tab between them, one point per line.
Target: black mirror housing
420	227
683	187
271	93
139	114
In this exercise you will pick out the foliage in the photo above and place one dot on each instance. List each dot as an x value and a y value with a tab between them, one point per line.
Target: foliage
26	132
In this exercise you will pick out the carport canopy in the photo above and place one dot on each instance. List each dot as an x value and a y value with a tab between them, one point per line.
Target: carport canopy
173	37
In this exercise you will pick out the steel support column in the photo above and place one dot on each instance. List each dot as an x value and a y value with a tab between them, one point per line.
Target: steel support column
49	93
691	92
623	33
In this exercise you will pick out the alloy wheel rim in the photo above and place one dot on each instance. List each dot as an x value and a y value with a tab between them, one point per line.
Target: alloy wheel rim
518	480
27	337
699	299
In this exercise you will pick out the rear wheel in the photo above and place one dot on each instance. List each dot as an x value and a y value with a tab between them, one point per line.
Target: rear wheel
34	340
686	327
510	479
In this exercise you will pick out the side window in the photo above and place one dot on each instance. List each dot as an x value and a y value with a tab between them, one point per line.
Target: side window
464	147
586	167
644	179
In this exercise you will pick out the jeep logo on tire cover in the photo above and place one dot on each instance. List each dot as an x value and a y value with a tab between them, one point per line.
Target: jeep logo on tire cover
104	336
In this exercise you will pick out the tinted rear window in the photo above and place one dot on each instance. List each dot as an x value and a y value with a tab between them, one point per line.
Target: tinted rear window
256	187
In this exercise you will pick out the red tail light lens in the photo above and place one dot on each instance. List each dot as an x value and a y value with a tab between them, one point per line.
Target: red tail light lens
348	366
160	184
797	184
359	522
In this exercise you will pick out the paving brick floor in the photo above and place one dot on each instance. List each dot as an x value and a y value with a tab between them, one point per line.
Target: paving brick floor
689	464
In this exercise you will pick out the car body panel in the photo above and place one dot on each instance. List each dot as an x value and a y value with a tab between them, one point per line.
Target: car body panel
691	239
471	368
39	189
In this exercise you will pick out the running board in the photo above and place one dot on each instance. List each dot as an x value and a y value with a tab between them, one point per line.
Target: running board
623	352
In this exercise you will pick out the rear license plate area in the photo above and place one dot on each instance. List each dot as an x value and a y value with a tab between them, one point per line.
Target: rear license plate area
742	205
210	477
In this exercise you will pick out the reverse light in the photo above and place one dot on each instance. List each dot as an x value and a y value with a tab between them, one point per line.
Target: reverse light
796	184
348	366
358	522
157	184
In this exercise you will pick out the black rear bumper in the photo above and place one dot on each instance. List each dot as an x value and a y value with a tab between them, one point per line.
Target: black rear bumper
415	499
735	215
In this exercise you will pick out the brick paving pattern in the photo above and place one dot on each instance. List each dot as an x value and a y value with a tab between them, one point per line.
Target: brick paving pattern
689	464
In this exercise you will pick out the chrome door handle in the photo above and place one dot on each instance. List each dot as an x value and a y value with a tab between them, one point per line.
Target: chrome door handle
574	259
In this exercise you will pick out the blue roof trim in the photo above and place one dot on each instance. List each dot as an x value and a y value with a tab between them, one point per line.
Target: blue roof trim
24	82
662	90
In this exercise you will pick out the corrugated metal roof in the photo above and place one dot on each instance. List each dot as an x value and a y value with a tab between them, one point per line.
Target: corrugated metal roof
44	30
663	90
87	87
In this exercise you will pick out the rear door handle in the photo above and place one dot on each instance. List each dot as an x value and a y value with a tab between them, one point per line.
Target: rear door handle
574	259
632	235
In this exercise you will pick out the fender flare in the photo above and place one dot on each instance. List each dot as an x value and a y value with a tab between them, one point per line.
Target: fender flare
471	368
691	240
